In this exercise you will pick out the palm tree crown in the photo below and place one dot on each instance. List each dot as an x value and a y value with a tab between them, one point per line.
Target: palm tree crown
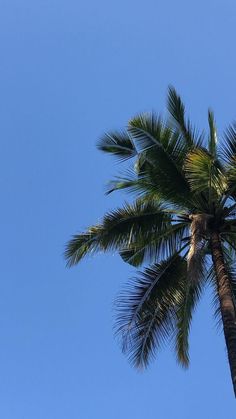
181	224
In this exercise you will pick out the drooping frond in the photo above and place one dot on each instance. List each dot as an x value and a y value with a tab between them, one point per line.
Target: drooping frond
119	230
195	279
118	144
176	109
155	247
192	293
147	309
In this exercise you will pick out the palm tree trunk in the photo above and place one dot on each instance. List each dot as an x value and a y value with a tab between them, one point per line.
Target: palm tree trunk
227	307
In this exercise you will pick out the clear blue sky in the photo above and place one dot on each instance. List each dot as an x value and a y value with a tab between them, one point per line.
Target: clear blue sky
70	70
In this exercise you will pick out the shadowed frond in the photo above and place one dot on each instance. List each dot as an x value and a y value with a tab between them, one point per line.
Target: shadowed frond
176	109
119	144
152	135
138	184
155	183
119	230
228	146
147	309
155	247
192	293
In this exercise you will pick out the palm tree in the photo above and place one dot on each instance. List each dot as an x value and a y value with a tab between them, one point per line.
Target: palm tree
181	223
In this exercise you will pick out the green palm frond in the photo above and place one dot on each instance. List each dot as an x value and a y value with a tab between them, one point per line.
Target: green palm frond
148	131
155	247
151	134
145	187
119	230
81	245
140	185
165	153
147	309
228	146
204	172
118	144
176	109
192	292
154	182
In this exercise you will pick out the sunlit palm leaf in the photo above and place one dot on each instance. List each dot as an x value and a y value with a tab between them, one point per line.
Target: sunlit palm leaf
204	172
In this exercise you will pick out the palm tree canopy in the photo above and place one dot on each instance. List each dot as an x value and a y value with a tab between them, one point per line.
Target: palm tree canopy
183	185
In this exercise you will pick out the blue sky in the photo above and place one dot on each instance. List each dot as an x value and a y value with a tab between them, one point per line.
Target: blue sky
69	71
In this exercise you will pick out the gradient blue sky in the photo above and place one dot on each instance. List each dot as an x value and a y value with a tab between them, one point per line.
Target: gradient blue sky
70	70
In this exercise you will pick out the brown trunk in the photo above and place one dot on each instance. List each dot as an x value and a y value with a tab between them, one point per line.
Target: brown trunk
227	307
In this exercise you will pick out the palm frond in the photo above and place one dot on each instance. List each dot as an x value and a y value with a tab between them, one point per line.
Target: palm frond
192	293
139	185
118	144
119	230
157	139
228	145
204	172
148	131
154	184
176	109
147	309
155	247
80	245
